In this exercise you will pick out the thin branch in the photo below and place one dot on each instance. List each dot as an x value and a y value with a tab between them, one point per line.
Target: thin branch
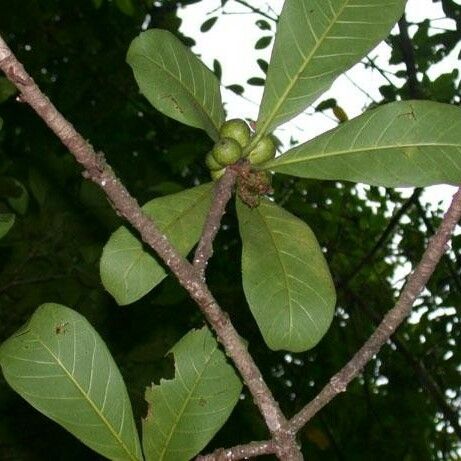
249	450
408	55
428	381
256	10
393	223
97	170
416	283
221	195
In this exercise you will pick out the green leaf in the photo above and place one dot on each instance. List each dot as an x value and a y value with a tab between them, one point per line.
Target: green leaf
126	7
263	25
263	42
175	81
208	24
256	81
19	203
237	89
285	277
186	412
128	271
411	143
59	364
316	41
97	3
6	223
7	89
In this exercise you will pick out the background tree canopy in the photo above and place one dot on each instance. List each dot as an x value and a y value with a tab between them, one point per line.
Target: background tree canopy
405	406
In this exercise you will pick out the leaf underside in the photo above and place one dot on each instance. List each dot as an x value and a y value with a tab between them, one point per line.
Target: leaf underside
60	365
411	143
285	277
186	412
6	223
316	41
175	81
128	270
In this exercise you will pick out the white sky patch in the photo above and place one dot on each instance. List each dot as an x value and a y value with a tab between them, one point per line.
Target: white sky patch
231	41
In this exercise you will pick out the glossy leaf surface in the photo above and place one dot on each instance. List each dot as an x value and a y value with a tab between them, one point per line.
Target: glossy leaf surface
285	277
316	41
128	270
175	81
60	365
186	412
411	143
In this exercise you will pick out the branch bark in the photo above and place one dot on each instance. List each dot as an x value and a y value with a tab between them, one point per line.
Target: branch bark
221	195
416	283
249	450
97	170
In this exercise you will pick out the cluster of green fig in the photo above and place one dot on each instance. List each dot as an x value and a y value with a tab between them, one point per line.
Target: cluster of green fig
234	139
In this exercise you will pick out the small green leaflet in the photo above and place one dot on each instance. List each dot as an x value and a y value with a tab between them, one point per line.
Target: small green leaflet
128	271
411	143
59	364
316	41
6	223
285	277
175	81
186	412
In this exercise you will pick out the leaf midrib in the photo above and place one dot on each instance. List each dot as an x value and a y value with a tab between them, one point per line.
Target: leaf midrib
281	162
88	400
284	272
175	77
186	402
303	66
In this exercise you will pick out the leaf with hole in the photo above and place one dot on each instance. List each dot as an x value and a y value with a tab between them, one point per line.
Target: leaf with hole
285	277
59	364
186	412
401	144
175	81
128	270
316	41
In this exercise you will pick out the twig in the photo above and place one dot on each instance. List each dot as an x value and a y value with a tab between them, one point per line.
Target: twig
256	10
249	450
416	283
221	196
97	170
393	223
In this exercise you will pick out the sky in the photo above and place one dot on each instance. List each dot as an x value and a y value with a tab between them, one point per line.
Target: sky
231	40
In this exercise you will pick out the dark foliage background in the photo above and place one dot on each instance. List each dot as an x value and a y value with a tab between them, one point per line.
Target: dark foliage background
405	405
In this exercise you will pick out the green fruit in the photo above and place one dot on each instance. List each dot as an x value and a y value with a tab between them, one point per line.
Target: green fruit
211	163
264	151
227	151
236	129
215	175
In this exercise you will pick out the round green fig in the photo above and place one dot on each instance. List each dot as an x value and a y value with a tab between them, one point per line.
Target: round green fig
211	163
216	174
227	151
264	151
236	129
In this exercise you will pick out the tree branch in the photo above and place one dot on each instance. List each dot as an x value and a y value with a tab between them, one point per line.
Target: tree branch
97	170
416	283
249	450
256	10
393	223
221	195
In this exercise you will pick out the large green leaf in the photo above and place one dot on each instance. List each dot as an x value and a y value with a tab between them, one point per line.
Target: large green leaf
175	81
316	41
6	223
128	271
59	364
285	277
412	143
186	412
